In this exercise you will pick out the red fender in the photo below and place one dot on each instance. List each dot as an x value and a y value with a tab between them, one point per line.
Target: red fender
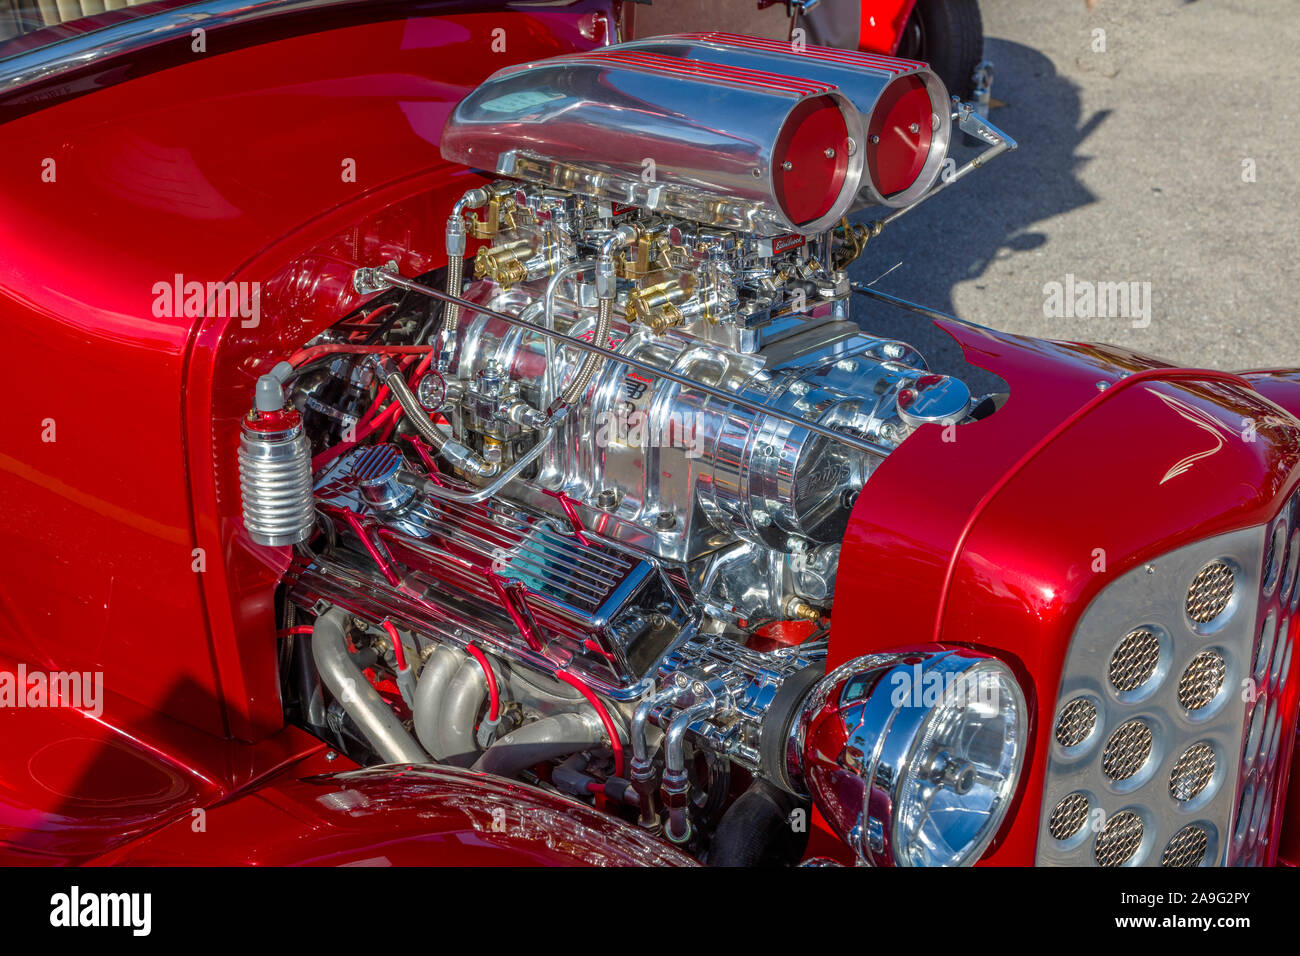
399	816
215	168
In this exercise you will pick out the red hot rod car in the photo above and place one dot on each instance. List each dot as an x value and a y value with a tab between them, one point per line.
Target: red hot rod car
472	458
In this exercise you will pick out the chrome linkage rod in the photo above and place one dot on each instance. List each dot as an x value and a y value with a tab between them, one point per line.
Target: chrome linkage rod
913	306
375	279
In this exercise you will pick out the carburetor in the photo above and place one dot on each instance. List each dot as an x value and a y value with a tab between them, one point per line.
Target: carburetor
679	273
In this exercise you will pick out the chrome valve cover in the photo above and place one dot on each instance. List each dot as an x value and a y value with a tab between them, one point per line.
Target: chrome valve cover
519	582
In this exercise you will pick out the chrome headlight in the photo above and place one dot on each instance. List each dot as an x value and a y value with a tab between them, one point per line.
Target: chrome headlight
914	759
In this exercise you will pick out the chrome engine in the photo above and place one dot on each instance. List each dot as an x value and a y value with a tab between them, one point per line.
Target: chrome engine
750	508
622	473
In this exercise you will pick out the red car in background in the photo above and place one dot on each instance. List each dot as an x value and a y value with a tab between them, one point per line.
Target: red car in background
444	437
946	34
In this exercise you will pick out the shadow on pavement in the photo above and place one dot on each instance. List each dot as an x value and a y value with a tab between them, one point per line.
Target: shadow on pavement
990	214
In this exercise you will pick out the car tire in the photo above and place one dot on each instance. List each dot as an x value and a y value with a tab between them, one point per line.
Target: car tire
949	35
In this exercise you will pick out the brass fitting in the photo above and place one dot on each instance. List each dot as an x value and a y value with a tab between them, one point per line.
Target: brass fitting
801	611
500	213
503	264
659	306
853	241
649	255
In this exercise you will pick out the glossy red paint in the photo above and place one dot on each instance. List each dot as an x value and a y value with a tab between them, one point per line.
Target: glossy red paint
1288	853
1280	386
401	816
75	784
896	154
988	540
814	143
881	25
118	547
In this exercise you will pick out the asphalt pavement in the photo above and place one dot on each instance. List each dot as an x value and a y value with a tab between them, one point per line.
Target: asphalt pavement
1160	153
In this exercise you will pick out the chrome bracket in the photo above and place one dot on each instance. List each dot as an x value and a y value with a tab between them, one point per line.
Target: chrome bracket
973	124
367	280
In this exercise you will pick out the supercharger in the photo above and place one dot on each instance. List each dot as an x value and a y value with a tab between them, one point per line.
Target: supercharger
754	505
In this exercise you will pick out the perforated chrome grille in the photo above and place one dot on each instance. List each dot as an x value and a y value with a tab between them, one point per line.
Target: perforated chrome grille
1280	649
1119	839
1276	544
1149	730
1264	649
1192	773
1135	659
1210	592
1292	562
1202	680
1255	731
1127	750
1069	816
1076	722
1187	848
1245	807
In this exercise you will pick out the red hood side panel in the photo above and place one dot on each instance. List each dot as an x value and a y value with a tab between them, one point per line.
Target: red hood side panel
990	539
909	519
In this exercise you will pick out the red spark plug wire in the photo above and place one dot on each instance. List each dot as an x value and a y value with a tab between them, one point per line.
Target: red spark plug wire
399	652
494	697
300	629
363	431
610	730
304	356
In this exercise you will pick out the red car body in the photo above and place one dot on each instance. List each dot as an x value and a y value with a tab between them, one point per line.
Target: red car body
119	545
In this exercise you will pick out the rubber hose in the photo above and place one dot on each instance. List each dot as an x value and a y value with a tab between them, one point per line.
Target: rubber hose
757	830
